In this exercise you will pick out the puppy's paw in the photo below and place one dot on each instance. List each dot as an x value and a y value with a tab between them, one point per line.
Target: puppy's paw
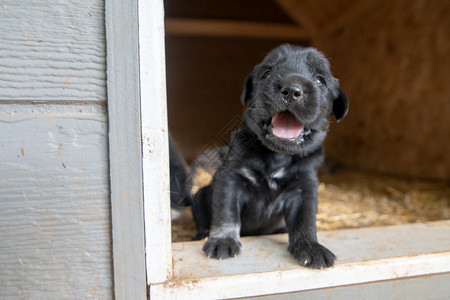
221	247
313	255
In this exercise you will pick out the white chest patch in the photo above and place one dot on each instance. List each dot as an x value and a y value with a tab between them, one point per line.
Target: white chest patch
271	179
249	175
278	173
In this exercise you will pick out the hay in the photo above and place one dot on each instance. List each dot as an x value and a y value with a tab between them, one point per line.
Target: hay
351	199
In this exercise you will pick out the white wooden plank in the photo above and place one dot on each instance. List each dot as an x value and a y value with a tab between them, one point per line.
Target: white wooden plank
364	255
434	287
125	149
55	227
155	148
52	50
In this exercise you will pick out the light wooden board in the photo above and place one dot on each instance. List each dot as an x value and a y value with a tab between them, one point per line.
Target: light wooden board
52	50
155	147
55	232
364	255
125	146
433	287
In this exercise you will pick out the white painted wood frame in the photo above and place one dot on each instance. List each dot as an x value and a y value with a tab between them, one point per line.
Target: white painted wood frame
155	145
125	149
142	246
365	256
139	163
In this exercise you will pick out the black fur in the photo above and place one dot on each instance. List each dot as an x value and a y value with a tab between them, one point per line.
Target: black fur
180	182
268	181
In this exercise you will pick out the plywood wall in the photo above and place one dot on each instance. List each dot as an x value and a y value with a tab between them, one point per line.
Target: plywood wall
394	64
55	222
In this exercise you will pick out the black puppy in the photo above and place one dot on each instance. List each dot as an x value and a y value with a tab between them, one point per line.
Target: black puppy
268	180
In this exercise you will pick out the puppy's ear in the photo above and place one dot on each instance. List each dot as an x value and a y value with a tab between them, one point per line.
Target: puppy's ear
248	89
340	106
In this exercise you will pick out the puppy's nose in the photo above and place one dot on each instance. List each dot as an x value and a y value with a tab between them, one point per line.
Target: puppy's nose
291	93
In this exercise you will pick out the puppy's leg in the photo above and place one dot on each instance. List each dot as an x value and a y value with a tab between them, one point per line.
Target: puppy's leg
223	239
300	217
201	212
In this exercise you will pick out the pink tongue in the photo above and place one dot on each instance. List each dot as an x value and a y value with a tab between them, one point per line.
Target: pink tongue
285	125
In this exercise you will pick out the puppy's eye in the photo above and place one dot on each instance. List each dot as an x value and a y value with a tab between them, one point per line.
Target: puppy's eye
319	80
266	74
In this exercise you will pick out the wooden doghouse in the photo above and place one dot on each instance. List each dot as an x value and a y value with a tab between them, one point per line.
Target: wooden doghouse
392	62
392	59
84	197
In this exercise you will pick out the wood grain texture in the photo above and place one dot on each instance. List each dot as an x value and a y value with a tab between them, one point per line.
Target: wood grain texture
155	147
52	50
396	76
55	227
264	266
423	287
125	146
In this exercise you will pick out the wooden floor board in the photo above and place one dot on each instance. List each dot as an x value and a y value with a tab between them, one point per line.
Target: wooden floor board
265	266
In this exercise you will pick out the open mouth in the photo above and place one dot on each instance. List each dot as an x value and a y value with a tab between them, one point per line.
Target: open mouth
286	126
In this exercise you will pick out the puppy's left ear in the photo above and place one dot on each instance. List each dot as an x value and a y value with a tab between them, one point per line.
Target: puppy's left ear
248	89
340	106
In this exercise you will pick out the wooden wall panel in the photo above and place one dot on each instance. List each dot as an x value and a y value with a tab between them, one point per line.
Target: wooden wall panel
394	64
55	228
125	138
52	50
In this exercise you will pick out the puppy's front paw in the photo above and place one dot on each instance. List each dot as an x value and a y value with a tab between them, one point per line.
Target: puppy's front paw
222	247
313	255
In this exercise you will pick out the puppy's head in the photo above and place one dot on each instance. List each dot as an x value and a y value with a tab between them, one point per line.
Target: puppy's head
290	97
